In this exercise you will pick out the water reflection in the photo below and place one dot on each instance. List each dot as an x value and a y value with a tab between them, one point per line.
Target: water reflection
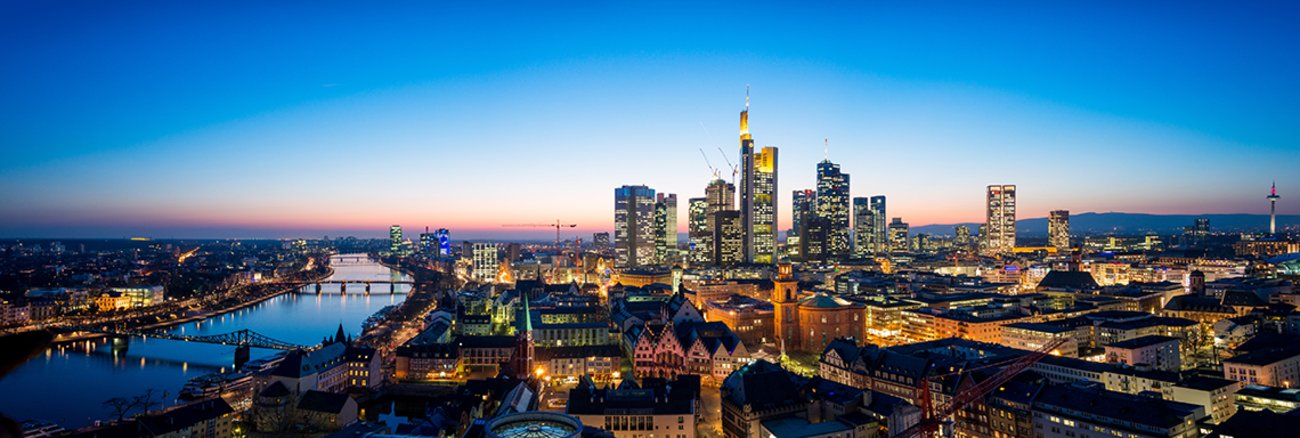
69	388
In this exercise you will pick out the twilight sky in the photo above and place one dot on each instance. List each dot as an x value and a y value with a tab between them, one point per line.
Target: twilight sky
229	119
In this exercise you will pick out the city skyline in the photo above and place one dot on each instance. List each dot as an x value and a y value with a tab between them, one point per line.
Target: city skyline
334	138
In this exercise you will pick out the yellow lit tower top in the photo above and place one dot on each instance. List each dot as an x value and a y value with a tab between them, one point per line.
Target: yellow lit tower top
744	119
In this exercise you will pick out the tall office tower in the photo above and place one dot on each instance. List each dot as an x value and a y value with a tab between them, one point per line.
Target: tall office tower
981	242
600	240
813	240
666	228
802	210
833	205
426	241
1001	219
880	225
729	238
1058	229
898	235
862	231
697	224
758	202
634	230
395	238
1272	209
444	242
962	237
485	262
721	196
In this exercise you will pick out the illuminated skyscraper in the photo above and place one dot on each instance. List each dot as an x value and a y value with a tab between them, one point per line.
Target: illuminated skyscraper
485	262
728	236
813	239
833	205
444	242
757	195
1058	229
862	228
1001	219
721	196
1272	209
395	239
697	223
427	241
898	241
634	226
802	210
666	228
758	205
880	242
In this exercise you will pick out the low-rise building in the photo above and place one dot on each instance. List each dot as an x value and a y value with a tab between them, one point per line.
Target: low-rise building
1279	367
658	407
1158	352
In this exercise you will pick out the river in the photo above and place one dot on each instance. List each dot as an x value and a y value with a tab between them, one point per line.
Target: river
69	383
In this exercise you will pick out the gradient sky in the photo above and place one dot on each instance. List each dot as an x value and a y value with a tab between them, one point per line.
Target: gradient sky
228	119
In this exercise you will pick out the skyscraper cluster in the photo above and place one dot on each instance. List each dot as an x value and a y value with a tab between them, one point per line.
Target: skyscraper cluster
645	226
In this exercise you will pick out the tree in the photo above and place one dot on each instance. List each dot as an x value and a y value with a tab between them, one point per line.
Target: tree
119	407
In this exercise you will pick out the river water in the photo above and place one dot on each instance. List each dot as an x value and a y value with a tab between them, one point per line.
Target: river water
69	383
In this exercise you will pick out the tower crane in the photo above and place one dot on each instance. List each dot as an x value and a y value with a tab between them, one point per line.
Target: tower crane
712	169
734	169
933	418
557	225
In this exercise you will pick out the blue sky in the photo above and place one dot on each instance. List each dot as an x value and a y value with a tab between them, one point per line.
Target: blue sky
228	119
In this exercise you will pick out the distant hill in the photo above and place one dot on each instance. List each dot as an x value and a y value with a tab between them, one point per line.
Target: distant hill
1131	223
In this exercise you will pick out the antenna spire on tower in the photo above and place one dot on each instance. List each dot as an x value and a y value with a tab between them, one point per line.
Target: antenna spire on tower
746	97
826	149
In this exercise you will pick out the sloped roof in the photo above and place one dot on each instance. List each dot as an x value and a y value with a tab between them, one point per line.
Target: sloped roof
1068	280
320	401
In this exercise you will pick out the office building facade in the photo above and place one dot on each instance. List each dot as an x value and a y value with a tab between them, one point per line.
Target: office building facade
634	230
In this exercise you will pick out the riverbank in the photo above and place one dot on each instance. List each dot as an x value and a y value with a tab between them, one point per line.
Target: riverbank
281	290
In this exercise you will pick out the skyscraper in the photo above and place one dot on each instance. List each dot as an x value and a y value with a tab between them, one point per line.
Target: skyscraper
802	210
395	239
634	230
600	240
758	202
1058	229
1272	209
666	228
898	241
729	238
833	205
862	228
1001	219
813	239
444	242
880	243
697	223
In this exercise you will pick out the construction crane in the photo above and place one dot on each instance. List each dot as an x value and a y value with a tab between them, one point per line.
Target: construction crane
932	419
557	225
712	169
734	169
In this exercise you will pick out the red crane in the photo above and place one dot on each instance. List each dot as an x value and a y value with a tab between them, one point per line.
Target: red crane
557	225
933	418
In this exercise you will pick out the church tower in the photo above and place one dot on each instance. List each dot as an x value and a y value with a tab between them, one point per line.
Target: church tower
785	301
